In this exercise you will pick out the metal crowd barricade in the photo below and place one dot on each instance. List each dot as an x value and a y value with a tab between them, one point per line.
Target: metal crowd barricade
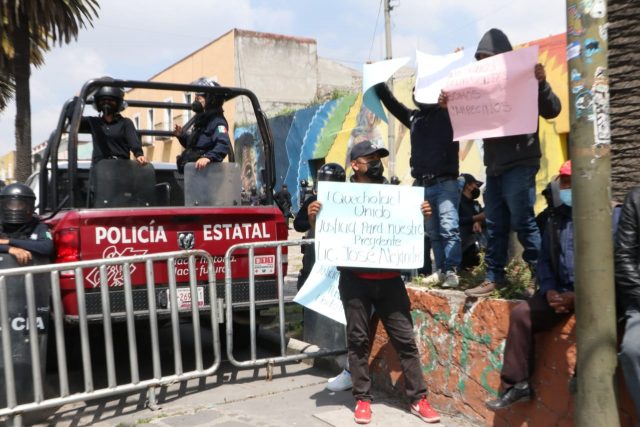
269	361
14	411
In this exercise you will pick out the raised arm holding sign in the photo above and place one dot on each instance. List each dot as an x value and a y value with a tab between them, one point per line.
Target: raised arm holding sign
512	160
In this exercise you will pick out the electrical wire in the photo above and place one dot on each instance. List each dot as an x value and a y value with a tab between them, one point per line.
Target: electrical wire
375	30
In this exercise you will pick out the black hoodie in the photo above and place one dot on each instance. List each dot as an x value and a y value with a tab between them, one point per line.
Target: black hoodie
504	153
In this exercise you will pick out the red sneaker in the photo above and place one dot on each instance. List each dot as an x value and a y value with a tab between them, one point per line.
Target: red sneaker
362	414
424	411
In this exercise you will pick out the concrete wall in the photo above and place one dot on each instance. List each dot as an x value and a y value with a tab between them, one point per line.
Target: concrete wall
282	71
461	346
333	76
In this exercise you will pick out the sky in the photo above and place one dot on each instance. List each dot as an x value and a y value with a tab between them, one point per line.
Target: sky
136	39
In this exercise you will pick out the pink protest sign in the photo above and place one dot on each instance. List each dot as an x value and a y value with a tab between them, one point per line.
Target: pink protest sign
497	96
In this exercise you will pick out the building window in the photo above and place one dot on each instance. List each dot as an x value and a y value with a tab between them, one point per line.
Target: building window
187	100
168	115
150	125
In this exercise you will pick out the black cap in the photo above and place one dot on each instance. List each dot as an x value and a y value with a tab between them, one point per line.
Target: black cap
367	148
468	178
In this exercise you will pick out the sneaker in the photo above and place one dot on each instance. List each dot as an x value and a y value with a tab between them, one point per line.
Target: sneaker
341	382
433	279
451	280
482	290
521	392
424	411
362	414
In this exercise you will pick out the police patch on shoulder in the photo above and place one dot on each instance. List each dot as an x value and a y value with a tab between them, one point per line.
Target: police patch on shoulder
33	236
221	129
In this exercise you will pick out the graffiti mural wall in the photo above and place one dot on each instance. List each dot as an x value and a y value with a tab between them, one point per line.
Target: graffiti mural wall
329	130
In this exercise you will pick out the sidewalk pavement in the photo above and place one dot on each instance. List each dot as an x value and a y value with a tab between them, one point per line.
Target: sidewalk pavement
296	396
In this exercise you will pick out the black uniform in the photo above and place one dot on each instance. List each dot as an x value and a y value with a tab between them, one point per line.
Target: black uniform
301	223
467	209
112	140
33	236
207	136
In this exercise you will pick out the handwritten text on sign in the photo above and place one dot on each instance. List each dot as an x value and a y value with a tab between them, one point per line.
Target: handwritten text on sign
497	96
370	225
321	294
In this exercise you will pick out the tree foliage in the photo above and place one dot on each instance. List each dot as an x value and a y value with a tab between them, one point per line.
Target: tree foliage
27	29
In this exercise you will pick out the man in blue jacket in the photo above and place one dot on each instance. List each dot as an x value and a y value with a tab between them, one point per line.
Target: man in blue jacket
512	163
549	306
205	137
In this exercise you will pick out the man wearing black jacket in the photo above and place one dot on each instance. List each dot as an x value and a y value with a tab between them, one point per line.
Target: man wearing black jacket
435	166
512	163
628	289
21	234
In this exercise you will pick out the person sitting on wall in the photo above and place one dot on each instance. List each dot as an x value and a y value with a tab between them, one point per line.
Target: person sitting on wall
21	233
472	221
627	254
549	306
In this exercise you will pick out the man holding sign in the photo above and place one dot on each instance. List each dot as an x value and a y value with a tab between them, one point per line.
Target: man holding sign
512	162
362	289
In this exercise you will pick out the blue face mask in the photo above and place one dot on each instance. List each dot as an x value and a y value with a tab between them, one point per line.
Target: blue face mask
565	196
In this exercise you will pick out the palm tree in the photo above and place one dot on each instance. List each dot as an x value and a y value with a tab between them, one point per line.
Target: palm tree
624	77
6	90
27	27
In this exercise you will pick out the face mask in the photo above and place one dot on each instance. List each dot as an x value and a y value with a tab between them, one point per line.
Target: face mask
196	107
107	108
475	193
374	169
565	196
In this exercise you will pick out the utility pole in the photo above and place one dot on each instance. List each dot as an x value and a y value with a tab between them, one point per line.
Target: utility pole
391	120
591	188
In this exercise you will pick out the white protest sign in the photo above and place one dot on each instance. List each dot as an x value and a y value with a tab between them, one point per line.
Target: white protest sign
372	74
432	74
320	293
370	225
495	97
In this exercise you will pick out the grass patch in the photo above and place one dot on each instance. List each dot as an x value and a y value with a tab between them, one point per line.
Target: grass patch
519	282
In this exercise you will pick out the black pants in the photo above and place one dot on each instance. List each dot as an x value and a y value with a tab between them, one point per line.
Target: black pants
391	302
529	317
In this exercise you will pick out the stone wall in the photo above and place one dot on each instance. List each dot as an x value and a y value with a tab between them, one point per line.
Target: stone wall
461	345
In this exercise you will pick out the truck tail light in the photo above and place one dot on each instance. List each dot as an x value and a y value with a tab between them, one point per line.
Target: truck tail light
68	245
282	232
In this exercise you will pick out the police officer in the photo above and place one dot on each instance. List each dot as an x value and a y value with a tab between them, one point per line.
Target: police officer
205	137
328	172
114	136
22	235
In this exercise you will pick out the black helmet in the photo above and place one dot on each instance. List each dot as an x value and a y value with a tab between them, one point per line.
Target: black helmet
331	172
116	93
303	183
211	101
17	203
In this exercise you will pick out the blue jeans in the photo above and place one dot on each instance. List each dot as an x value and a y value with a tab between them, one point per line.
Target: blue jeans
442	228
509	201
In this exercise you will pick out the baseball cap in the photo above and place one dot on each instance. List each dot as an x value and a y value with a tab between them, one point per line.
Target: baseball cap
565	169
366	148
468	178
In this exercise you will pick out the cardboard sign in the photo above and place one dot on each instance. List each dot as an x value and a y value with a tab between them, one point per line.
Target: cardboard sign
432	74
370	225
495	97
320	293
